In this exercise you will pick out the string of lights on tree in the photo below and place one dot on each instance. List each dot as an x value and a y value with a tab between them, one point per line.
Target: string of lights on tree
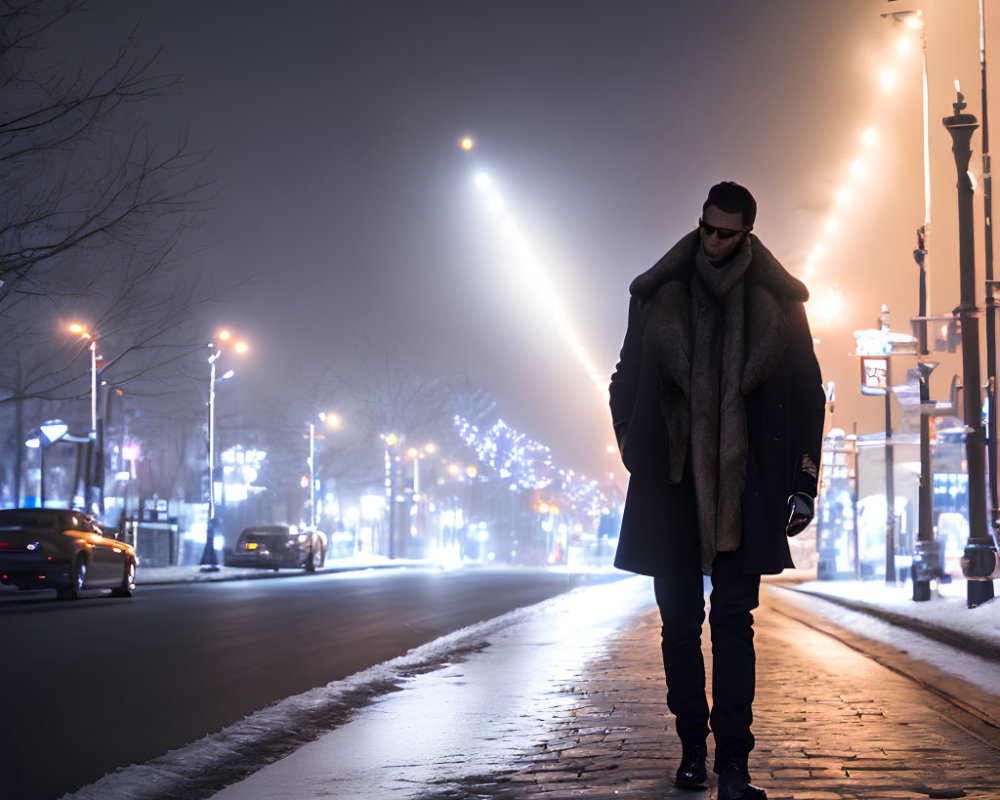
527	465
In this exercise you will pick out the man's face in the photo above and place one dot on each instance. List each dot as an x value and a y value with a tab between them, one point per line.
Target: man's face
717	246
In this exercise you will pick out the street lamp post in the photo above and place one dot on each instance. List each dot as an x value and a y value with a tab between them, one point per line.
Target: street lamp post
209	558
332	421
93	388
890	480
415	454
980	558
94	503
82	331
95	445
914	20
391	440
927	563
991	303
312	474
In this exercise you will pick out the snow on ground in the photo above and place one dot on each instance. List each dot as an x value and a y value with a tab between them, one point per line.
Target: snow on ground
516	663
512	659
473	712
946	610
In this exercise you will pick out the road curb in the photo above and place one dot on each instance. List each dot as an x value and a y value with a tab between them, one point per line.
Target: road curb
221	577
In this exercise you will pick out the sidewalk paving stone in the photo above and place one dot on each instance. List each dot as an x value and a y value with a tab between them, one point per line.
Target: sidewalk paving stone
829	723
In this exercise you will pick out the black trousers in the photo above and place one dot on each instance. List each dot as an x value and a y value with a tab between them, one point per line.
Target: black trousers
681	600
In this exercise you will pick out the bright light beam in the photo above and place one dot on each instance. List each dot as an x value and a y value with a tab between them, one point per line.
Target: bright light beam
532	273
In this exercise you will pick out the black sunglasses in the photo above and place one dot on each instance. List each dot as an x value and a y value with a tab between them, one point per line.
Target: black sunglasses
722	233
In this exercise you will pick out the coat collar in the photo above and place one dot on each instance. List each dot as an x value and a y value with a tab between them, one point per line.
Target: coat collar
764	271
664	294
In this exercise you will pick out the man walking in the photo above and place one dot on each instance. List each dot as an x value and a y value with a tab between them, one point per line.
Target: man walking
717	404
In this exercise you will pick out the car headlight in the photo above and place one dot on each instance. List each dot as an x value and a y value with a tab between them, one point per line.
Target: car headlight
33	547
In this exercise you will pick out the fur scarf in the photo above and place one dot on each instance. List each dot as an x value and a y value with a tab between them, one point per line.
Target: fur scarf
664	292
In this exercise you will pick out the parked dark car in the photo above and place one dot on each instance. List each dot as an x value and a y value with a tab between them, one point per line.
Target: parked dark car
276	546
54	548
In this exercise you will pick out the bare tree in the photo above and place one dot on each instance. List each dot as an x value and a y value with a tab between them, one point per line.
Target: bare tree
91	218
79	167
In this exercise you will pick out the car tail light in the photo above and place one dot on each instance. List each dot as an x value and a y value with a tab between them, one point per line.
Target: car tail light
32	547
251	545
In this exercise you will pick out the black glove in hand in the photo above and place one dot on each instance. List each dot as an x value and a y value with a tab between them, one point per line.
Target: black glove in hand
800	513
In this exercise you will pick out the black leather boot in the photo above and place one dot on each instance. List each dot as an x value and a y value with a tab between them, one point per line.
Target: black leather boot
734	781
691	774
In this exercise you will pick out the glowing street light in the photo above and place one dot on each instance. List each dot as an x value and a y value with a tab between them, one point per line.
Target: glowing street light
94	492
415	454
330	419
467	143
78	329
829	305
209	559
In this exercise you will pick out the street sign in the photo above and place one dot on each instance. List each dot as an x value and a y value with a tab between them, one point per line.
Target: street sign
874	375
874	347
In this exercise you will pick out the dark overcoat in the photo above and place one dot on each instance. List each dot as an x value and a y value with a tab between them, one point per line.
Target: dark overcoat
650	410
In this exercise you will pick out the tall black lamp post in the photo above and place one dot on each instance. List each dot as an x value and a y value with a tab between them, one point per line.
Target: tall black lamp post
991	284
980	558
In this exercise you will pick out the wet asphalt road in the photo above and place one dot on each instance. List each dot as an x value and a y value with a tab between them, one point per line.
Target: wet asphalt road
100	683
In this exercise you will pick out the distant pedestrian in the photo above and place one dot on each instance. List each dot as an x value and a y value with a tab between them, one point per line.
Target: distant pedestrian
718	405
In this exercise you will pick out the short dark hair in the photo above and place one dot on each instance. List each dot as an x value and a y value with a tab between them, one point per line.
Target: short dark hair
732	198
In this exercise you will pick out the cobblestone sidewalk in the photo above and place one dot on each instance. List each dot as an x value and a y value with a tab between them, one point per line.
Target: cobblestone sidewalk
830	724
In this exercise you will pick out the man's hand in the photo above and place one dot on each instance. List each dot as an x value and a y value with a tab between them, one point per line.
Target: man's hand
800	513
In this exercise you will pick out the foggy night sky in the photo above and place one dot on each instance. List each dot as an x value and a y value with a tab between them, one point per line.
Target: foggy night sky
350	212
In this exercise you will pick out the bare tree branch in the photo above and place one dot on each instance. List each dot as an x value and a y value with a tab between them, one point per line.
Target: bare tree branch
78	168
